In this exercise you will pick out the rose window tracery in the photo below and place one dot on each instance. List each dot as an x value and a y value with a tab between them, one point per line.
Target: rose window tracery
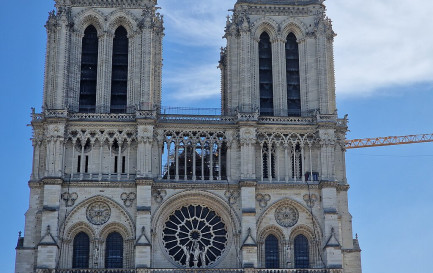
286	216
98	213
195	236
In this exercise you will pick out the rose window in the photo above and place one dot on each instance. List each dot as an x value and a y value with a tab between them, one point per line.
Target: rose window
194	236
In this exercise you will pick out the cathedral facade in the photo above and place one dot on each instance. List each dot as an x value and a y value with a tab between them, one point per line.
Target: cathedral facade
118	186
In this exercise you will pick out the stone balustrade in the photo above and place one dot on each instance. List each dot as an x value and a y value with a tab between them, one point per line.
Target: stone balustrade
147	270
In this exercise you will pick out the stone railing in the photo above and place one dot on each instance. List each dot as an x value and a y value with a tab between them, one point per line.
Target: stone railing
189	118
144	270
287	120
102	117
196	119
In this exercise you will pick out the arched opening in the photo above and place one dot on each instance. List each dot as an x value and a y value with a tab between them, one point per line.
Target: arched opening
302	252
119	77
89	70
265	76
81	249
272	258
114	251
292	76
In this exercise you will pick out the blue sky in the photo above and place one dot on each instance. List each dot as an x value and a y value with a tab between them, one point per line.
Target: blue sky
384	71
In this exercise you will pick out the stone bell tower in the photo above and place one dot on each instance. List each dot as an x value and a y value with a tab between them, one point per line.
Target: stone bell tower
103	56
279	59
103	61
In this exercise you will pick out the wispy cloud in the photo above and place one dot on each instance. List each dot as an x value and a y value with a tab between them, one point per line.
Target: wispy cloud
191	84
380	44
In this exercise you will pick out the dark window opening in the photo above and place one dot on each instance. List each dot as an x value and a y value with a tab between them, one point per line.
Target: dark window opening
114	251
81	249
297	163
272	258
116	159
89	70
86	169
123	164
265	76
292	75
302	255
79	164
119	77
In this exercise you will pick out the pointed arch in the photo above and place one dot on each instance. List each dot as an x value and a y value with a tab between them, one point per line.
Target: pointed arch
265	24
119	76
81	251
301	251
114	250
89	17
265	75
272	259
89	70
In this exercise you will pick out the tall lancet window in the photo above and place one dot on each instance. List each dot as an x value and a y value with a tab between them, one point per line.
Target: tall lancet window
114	251
265	77
292	74
80	253
119	78
302	252
272	255
89	70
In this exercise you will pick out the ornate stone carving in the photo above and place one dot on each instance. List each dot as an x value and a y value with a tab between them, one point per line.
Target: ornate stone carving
128	198
263	199
286	216
159	195
98	213
310	200
69	198
232	196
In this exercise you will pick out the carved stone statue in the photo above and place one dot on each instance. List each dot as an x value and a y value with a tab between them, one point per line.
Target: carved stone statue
187	255
197	254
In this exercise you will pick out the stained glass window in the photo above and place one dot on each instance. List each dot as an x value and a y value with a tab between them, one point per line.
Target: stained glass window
272	258
114	251
80	255
302	255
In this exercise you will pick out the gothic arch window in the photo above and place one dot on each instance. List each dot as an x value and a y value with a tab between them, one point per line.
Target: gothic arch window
265	76
292	76
302	252
114	251
119	77
81	249
89	70
272	259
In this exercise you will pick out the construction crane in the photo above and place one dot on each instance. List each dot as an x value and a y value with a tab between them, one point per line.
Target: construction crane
388	141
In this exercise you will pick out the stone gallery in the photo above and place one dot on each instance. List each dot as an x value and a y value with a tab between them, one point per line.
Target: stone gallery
120	186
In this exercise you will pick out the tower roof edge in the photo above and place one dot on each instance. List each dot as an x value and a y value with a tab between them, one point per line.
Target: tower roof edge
107	3
281	2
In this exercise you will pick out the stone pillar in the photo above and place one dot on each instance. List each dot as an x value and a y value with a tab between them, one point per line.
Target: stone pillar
332	243
279	77
249	227
144	152
248	152
143	245
103	91
48	248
